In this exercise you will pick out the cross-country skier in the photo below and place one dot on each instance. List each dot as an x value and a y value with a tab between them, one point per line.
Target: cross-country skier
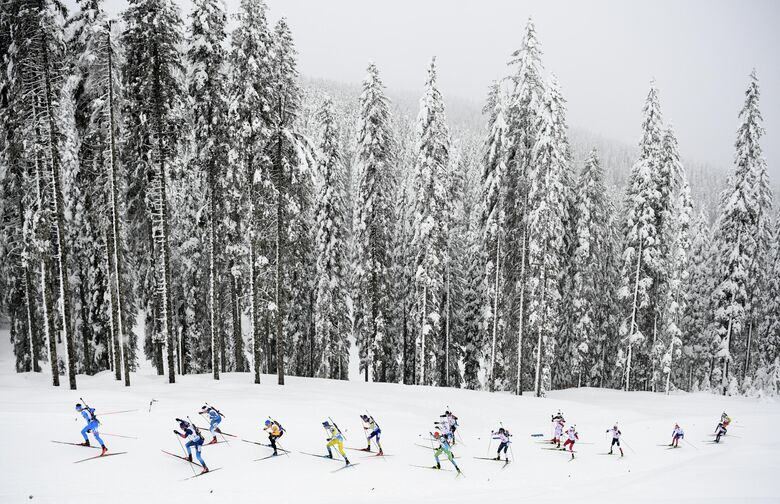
194	439
558	432
721	430
370	425
335	439
615	439
215	417
275	431
571	438
444	447
92	426
448	425
677	435
503	436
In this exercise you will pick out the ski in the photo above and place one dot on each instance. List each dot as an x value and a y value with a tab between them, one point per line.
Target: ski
423	446
347	466
430	467
505	464
265	444
220	432
214	442
560	449
266	458
358	449
99	456
489	458
182	458
377	456
202	474
672	447
320	456
76	444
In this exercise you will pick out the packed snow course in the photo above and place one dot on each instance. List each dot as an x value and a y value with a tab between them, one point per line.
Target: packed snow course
742	468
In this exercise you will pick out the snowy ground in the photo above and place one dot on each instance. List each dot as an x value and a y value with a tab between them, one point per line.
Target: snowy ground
32	413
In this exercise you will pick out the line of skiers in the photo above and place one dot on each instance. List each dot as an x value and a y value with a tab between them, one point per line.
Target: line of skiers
444	435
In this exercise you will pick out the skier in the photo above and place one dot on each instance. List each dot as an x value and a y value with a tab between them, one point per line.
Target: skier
503	436
92	426
571	438
215	417
558	432
615	439
677	434
721	430
194	439
444	447
335	439
275	431
369	424
448	425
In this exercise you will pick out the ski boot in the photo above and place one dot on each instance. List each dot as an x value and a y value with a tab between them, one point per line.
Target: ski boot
189	457
368	448
437	466
346	460
275	453
381	453
610	452
85	443
103	450
205	470
213	440
497	458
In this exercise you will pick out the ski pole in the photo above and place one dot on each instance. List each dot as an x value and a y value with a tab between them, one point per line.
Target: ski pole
184	451
117	435
117	412
150	404
690	443
628	446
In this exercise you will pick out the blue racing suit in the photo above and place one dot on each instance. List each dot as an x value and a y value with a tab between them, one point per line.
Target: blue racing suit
92	425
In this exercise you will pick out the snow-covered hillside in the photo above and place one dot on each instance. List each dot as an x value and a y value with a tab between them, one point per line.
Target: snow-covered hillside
741	469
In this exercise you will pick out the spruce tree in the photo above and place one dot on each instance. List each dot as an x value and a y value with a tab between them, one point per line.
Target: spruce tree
331	321
547	217
153	110
741	237
373	224
429	225
246	184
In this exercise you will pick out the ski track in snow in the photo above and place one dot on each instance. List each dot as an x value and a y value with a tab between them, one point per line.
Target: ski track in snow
33	413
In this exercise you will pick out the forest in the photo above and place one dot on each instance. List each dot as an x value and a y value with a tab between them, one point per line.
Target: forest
176	192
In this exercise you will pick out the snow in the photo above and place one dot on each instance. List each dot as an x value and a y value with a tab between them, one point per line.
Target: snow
741	469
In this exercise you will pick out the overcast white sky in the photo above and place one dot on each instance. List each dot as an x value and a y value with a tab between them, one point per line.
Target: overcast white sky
605	52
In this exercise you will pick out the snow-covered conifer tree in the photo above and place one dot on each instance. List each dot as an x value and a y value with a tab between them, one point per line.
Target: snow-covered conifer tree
429	225
331	318
373	223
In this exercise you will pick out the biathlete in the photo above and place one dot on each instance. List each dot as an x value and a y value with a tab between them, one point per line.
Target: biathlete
92	426
502	435
215	418
720	430
335	438
448	425
571	438
615	439
194	439
370	425
677	435
558	432
444	447
275	431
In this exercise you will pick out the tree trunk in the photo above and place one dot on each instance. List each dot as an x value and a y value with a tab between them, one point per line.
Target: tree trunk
634	309
422	335
57	202
521	322
215	343
491	382
278	286
31	340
